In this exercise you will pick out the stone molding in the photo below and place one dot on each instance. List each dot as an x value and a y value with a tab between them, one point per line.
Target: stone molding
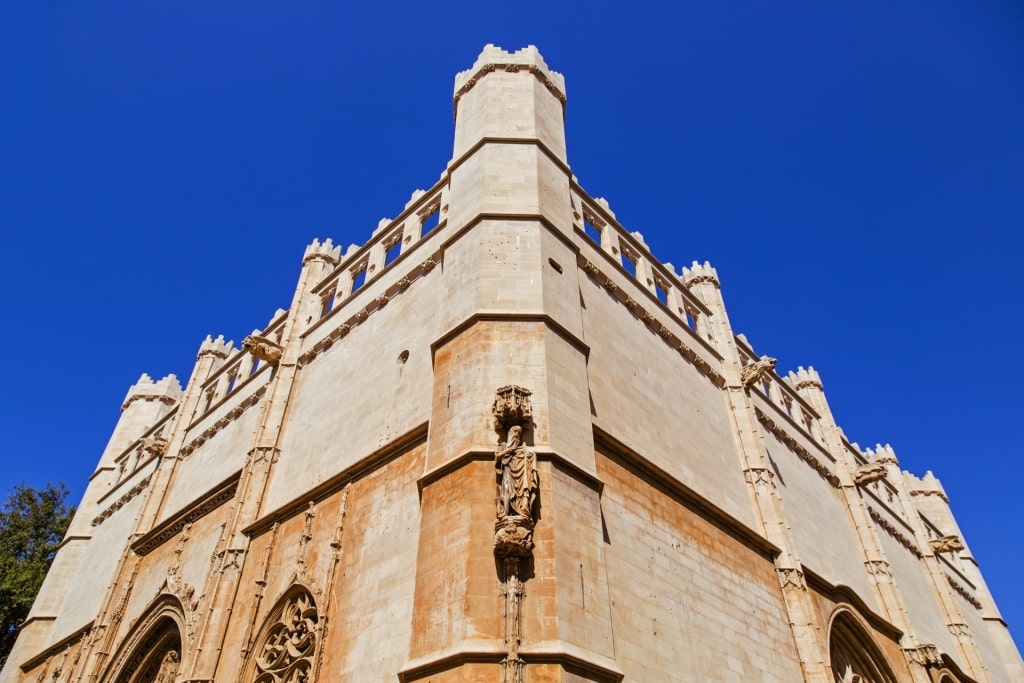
122	501
361	315
797	448
540	73
963	592
173	526
162	398
903	540
651	321
232	415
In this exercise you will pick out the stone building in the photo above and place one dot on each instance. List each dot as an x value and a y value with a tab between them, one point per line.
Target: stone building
501	441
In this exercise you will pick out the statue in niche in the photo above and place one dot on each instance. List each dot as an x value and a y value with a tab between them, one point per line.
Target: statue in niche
518	482
517	486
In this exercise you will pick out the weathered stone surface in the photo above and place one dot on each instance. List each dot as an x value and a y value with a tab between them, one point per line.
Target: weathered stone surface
514	453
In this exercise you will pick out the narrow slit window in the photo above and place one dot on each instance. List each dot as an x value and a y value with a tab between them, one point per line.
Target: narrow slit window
661	292
359	279
629	264
393	251
431	221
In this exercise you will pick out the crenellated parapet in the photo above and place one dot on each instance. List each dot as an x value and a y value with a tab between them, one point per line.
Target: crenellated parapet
494	58
218	348
805	378
699	273
166	390
928	485
324	251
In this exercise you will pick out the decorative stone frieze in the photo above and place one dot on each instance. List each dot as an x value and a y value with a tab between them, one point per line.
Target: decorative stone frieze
751	374
963	592
884	523
125	498
960	630
805	455
946	544
267	350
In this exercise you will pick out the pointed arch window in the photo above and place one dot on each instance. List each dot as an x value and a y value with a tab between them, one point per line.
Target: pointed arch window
286	648
854	656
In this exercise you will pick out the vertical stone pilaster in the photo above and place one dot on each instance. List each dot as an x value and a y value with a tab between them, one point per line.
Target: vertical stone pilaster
944	593
808	384
702	281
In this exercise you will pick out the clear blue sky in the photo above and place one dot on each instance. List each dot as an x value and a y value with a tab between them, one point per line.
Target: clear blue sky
853	170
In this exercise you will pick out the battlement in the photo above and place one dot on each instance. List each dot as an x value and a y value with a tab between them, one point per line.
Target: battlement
166	390
698	273
492	57
215	347
882	454
804	377
325	251
928	485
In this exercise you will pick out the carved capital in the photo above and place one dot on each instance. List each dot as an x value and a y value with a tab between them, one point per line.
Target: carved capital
512	407
960	630
756	370
759	476
262	348
871	472
946	544
923	655
791	578
878	568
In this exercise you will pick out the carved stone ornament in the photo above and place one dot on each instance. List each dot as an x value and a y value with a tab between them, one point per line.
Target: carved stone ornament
923	655
289	646
512	407
517	487
756	370
871	472
946	544
262	348
154	446
791	578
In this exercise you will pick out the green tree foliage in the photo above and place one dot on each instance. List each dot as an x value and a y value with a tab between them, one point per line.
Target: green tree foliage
32	524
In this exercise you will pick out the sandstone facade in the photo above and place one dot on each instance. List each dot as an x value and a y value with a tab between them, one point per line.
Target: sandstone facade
501	441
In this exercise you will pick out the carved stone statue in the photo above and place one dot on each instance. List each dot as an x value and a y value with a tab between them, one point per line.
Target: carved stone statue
517	486
517	476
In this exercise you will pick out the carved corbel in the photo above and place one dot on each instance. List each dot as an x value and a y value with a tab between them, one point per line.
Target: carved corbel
262	348
756	370
871	472
923	655
946	544
512	407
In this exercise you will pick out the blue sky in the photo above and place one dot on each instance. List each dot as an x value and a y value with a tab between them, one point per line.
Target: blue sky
852	169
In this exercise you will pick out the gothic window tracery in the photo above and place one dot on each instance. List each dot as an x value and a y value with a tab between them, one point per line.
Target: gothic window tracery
285	651
854	656
156	658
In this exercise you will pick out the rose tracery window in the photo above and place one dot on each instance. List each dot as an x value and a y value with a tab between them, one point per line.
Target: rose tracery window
285	653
